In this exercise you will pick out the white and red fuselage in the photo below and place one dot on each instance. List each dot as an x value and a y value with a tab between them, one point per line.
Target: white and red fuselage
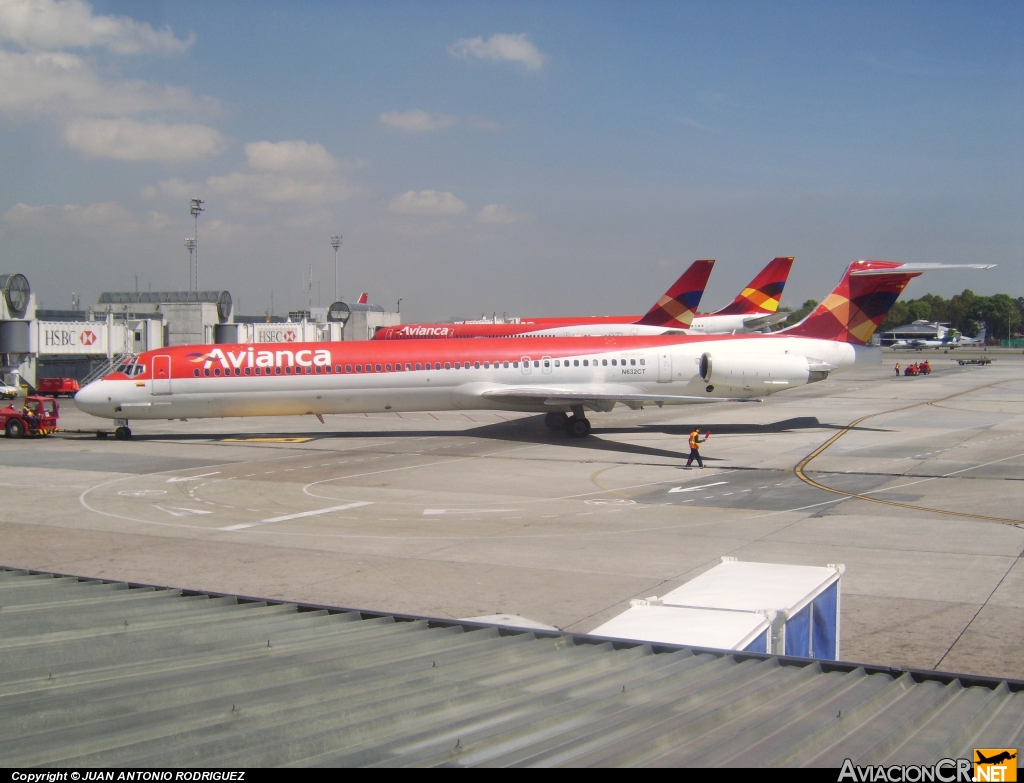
596	326
520	374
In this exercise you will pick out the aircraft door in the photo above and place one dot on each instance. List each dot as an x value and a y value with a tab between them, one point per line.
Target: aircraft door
545	365
664	367
161	375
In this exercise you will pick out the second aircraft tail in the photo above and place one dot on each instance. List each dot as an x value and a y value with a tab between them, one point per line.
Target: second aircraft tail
678	305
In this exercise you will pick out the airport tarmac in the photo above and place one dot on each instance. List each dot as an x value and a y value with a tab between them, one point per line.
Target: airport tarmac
466	514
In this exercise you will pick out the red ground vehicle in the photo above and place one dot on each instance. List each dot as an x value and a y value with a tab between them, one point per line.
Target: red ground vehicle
40	420
924	368
58	386
911	369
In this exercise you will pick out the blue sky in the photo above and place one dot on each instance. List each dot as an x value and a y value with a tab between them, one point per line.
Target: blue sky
533	158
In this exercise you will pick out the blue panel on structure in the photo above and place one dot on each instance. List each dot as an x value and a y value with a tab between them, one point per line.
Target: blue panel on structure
823	631
798	633
760	644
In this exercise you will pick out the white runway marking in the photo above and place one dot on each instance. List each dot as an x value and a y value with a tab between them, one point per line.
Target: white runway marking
286	517
432	511
694	489
191	478
175	511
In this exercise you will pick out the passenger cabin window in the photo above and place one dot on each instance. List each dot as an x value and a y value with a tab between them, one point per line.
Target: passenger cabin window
418	366
277	371
604	362
536	363
575	362
457	365
248	371
195	373
206	373
641	361
514	364
387	367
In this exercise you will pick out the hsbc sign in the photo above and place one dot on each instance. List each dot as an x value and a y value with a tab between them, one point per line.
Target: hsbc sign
278	333
71	338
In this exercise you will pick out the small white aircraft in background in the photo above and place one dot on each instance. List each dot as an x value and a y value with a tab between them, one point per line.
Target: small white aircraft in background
947	337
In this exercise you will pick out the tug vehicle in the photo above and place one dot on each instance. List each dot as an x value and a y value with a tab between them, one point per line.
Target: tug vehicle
37	417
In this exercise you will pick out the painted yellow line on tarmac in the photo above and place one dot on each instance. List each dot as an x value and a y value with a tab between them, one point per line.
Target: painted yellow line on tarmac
799	470
265	440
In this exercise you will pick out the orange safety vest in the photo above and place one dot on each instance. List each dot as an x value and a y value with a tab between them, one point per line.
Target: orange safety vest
695	440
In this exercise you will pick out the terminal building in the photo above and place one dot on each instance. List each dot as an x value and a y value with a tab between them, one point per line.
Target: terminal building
83	344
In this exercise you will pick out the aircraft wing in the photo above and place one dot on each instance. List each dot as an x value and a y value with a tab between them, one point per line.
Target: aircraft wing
596	397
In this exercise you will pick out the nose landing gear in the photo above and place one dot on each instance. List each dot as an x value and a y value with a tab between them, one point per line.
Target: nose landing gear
122	432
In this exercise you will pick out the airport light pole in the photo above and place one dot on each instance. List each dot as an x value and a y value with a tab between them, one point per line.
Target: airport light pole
399	305
336	243
190	245
195	207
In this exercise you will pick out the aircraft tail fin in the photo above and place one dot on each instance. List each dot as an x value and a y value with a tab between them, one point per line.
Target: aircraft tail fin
856	306
363	298
678	305
764	292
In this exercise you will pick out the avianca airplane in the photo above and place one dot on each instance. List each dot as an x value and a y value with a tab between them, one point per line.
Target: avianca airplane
755	308
551	375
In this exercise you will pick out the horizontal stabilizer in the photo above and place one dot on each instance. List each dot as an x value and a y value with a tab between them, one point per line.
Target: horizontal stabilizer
903	268
761	321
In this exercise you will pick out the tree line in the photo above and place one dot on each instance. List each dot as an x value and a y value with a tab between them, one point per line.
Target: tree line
1001	315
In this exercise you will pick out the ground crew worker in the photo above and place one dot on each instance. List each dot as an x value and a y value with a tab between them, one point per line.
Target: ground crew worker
695	441
897	368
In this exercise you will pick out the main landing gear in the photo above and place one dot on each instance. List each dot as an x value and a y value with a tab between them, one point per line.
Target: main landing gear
576	426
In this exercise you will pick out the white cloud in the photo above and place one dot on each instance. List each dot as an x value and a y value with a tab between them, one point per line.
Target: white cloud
71	24
511	48
417	120
67	85
500	214
249	189
427	202
106	213
293	173
128	139
289	156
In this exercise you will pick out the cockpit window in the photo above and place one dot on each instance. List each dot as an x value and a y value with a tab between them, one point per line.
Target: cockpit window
138	369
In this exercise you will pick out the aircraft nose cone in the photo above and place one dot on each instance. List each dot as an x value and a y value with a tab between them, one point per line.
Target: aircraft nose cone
93	399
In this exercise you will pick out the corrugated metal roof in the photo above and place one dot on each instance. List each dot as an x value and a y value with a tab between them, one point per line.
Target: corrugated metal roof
96	673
